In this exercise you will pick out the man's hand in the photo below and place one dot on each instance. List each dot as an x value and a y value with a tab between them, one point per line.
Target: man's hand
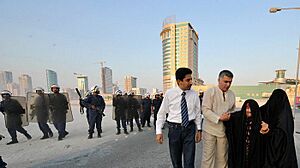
198	136
225	116
159	138
264	128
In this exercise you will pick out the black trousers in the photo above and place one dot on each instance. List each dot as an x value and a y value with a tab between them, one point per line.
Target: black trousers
182	142
146	118
61	128
155	118
123	120
137	121
95	118
44	127
13	132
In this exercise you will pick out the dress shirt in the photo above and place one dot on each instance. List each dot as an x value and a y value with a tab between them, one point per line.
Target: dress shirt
215	103
171	104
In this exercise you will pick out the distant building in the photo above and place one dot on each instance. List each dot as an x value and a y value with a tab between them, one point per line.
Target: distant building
82	84
51	79
25	83
115	88
130	82
139	91
154	91
106	80
6	77
14	88
179	49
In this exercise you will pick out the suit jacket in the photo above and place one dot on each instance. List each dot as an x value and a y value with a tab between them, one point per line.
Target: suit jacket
213	106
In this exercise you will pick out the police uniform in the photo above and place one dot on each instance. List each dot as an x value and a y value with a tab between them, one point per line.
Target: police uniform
120	106
95	106
133	106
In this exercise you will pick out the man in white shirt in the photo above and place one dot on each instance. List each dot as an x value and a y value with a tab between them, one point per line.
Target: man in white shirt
183	107
218	103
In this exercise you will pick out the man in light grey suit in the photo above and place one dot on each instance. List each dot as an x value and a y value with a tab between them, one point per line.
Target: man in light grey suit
218	103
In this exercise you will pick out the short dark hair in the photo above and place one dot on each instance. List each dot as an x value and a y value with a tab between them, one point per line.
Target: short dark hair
225	73
181	72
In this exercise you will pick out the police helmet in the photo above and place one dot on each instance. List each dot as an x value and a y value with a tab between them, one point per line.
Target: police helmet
95	89
6	92
118	92
55	86
39	89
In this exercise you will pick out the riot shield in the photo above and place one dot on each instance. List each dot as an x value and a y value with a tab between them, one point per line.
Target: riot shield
31	96
69	114
22	101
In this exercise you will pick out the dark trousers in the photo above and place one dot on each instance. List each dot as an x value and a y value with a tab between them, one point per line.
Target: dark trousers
182	141
44	127
155	118
137	121
146	118
95	118
13	132
119	120
61	128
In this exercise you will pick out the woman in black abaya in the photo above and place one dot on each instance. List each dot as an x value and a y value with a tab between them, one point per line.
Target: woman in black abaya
279	142
244	133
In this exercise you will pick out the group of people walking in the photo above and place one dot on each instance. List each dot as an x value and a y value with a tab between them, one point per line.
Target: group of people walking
56	103
253	137
128	108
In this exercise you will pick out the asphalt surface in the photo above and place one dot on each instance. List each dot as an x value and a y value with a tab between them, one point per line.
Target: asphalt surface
137	150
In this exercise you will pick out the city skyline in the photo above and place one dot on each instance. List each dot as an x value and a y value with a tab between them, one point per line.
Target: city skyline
241	36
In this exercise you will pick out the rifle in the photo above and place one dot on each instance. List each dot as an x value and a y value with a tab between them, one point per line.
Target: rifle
80	98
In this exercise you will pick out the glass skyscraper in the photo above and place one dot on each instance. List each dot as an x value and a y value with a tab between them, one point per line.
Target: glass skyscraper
51	78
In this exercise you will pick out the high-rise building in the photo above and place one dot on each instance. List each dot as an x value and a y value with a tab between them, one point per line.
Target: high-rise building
130	82
6	77
115	87
25	82
139	91
82	84
51	78
180	49
13	88
106	80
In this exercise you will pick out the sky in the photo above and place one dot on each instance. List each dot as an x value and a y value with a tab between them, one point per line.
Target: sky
73	36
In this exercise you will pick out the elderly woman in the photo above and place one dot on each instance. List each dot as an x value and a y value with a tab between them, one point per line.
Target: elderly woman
279	143
244	132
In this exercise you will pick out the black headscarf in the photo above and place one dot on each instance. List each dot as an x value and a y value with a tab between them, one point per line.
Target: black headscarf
280	145
236	135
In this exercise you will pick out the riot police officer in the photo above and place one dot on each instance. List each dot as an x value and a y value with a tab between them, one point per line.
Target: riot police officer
120	107
133	106
156	102
41	110
95	107
58	105
13	110
146	110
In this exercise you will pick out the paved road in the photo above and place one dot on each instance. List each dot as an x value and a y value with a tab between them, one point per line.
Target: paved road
137	150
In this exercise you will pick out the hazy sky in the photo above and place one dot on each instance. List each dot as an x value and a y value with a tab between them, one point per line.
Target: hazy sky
70	36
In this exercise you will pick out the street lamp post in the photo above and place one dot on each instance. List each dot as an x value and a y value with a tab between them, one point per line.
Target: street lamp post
274	10
297	79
